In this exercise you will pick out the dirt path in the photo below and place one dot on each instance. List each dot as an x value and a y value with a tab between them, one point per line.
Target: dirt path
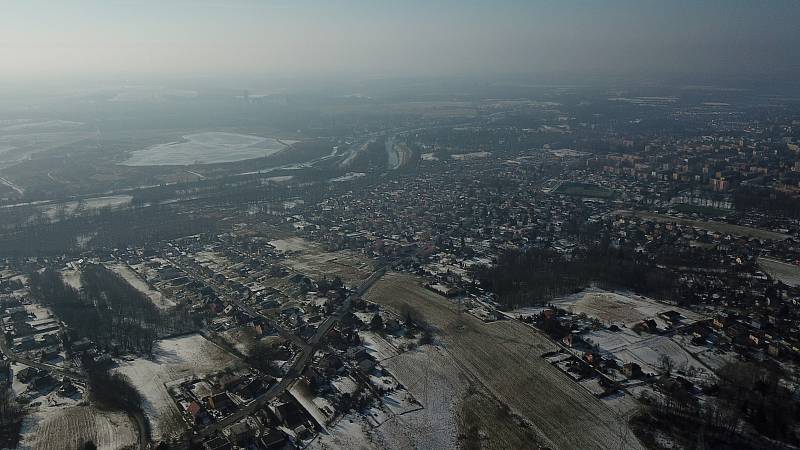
504	357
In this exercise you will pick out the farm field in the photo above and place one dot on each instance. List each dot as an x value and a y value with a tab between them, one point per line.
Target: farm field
504	359
619	307
206	148
454	410
718	227
308	258
72	426
172	359
788	274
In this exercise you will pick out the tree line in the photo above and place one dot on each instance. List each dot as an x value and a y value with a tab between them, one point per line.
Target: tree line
749	407
103	229
107	310
537	275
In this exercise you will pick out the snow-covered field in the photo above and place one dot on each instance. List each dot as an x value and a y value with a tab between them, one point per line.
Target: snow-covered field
348	177
619	308
429	157
72	277
314	406
206	148
472	155
57	422
433	378
644	349
176	358
69	427
70	208
501	363
378	347
134	280
241	338
351	432
308	258
786	273
292	244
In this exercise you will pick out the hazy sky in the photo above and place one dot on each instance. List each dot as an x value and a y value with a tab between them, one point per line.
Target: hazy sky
66	38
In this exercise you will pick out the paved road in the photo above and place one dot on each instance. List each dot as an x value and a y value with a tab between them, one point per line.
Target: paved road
307	350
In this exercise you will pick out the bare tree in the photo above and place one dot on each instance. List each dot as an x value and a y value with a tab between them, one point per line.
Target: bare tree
666	363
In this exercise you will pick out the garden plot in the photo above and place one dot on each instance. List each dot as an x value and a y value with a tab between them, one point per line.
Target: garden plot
527	311
39	312
173	359
157	298
502	360
648	353
619	308
398	400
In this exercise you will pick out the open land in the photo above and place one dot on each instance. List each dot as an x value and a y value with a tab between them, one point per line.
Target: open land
72	426
618	307
786	273
307	257
505	358
176	358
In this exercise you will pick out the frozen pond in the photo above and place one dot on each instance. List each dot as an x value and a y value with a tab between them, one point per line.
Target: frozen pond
206	148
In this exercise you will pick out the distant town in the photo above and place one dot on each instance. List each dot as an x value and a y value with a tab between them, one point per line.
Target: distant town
555	268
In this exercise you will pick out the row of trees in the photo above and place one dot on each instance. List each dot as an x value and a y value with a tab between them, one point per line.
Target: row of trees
105	229
749	407
114	391
11	415
537	275
109	311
